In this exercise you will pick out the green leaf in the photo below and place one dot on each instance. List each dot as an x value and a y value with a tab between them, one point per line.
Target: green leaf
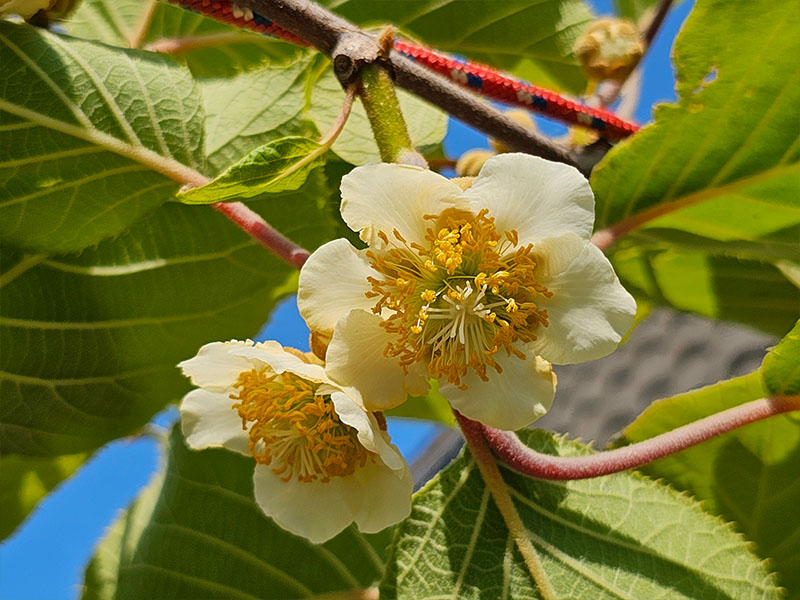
748	475
217	49
619	536
781	366
24	481
531	38
724	163
282	165
430	407
207	538
752	292
97	336
427	125
94	138
118	547
245	111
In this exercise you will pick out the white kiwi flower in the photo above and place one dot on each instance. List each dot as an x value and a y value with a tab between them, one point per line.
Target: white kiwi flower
480	288
322	461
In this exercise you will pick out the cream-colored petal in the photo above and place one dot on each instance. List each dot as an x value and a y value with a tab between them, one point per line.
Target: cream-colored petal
590	311
281	361
510	400
355	358
536	197
333	282
385	197
386	496
215	368
208	420
316	511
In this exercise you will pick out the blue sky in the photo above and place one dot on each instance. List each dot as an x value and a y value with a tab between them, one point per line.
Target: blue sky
45	558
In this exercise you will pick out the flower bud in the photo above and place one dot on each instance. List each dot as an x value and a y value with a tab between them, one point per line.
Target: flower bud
609	49
471	162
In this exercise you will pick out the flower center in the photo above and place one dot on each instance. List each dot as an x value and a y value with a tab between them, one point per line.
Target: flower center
459	298
294	429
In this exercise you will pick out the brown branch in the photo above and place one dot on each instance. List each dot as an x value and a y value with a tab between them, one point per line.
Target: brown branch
655	24
324	30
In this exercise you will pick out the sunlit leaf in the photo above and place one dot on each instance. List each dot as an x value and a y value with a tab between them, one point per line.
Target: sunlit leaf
747	291
723	164
781	366
282	165
94	138
619	536
426	125
749	475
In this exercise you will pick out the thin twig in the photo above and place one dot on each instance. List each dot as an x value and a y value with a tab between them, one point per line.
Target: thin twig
654	26
487	465
273	240
323	30
508	447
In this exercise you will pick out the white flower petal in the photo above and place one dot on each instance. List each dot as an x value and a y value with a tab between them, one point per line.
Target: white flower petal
590	311
208	420
333	282
215	368
537	198
355	357
510	400
386	497
369	432
384	197
316	511
280	361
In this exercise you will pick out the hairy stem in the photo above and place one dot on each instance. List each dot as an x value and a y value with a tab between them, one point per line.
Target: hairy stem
544	466
480	450
323	30
273	240
384	114
137	36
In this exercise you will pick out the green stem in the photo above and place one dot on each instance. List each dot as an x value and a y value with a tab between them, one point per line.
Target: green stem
383	110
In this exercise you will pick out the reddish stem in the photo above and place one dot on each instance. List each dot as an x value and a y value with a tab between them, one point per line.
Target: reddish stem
544	466
269	237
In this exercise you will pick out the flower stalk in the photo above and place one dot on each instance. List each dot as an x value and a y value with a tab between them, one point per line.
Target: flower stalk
478	446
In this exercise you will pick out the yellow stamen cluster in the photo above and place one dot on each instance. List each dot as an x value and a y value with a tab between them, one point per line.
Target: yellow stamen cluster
456	300
294	429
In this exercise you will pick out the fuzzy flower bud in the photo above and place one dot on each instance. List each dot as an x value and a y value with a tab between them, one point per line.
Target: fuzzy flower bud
609	49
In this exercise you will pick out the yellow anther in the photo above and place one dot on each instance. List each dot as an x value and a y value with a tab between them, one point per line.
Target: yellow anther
430	266
511	305
490	318
480	279
428	295
383	237
400	282
423	314
417	329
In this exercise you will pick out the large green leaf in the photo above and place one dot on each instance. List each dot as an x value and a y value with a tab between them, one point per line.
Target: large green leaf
724	163
25	480
217	49
207	538
749	476
752	292
93	137
620	536
244	111
96	337
118	547
781	366
279	166
531	38
427	125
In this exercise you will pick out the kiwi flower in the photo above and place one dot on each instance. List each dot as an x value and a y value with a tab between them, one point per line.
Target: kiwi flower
322	461
480	288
